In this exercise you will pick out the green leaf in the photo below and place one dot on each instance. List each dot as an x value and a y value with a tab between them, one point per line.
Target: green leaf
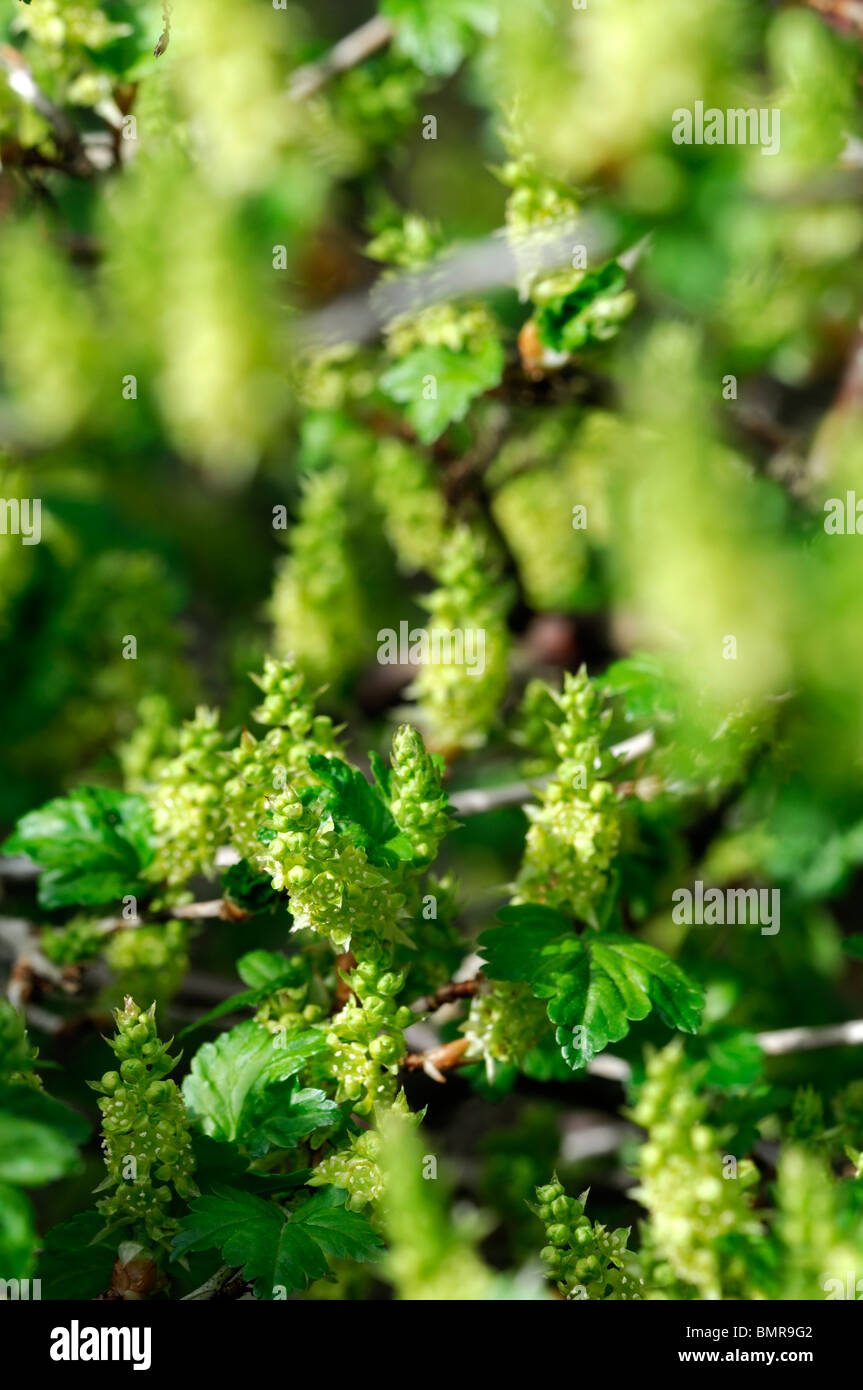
458	378
595	985
93	845
358	809
17	1234
74	1263
734	1059
285	1116
246	999
263	969
591	313
381	772
277	1250
228	1076
39	1137
512	950
223	1165
644	689
437	34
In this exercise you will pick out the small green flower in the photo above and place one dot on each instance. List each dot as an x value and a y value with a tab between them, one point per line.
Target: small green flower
585	1260
417	800
145	1132
701	1224
503	1023
575	830
281	759
458	702
366	1039
187	803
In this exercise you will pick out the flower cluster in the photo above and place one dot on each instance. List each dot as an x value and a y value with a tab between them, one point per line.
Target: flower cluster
146	1142
280	759
458	704
188	814
414	512
291	1008
503	1023
150	961
333	887
79	939
818	1243
318	605
417	799
355	1169
357	1166
366	1039
701	1223
585	1260
575	831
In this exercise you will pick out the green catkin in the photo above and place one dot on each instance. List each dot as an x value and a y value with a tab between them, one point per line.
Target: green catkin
417	799
431	1256
292	1008
146	1141
318	606
575	830
457	704
144	754
528	506
366	1038
280	759
357	1166
81	938
187	803
815	1245
503	1023
700	1221
149	961
584	1259
355	1169
412	507
333	887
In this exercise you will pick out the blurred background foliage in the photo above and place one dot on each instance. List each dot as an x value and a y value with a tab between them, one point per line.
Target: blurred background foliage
168	225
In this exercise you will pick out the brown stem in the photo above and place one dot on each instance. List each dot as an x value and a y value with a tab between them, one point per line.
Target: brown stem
437	1060
347	53
448	994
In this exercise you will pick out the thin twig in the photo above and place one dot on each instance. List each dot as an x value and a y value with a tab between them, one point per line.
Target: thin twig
347	53
477	800
448	994
784	1040
777	1042
483	265
213	907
